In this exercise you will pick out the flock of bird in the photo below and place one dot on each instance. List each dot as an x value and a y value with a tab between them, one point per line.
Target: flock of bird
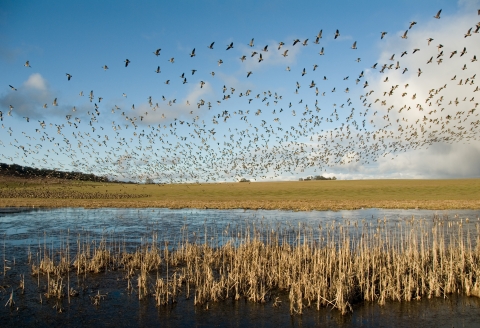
214	141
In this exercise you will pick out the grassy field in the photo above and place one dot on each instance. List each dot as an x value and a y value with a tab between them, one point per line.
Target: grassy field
295	195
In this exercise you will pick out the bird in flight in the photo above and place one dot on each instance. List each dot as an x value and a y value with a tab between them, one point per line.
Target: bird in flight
27	64
157	52
437	16
468	32
313	87
127	62
12	87
68	76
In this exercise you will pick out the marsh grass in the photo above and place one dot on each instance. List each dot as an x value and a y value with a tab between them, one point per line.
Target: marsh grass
335	265
295	195
10	302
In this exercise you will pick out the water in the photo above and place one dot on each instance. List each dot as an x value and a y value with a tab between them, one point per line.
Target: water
22	230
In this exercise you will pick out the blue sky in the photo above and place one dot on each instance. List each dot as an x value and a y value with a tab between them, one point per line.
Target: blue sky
125	136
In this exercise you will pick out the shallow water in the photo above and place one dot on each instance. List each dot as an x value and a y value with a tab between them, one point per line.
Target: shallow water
33	229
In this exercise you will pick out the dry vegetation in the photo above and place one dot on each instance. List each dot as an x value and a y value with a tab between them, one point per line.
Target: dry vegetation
299	196
333	266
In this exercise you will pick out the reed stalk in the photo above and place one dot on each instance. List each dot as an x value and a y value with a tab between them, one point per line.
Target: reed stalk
335	265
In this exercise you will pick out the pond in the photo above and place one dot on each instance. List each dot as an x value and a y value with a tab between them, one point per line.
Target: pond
103	298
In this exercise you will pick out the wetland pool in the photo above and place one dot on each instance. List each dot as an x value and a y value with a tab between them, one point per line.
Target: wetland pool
26	233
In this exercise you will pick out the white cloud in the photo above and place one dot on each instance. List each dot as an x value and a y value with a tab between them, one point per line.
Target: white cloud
36	81
29	98
436	161
430	103
33	94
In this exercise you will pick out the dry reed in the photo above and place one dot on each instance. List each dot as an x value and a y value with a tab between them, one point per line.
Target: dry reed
336	265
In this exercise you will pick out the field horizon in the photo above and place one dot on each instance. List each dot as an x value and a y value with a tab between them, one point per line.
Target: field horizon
433	194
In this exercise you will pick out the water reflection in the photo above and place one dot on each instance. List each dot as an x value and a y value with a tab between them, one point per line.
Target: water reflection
22	227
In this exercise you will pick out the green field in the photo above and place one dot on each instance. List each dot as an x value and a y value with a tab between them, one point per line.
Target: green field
296	195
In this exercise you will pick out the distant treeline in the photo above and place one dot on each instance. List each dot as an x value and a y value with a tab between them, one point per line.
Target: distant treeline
15	170
317	177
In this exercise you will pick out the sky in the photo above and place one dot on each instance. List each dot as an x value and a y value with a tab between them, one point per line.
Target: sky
321	108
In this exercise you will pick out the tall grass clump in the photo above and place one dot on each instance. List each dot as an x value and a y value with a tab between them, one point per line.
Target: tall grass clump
333	265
